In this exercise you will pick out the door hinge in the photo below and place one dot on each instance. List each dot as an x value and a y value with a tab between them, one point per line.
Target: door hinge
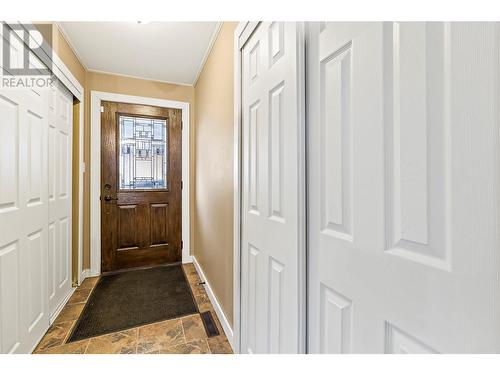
182	125
182	245
182	184
102	109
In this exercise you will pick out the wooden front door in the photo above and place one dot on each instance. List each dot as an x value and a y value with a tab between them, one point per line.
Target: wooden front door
141	173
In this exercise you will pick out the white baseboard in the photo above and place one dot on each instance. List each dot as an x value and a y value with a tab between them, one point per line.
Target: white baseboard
215	303
85	274
61	306
93	273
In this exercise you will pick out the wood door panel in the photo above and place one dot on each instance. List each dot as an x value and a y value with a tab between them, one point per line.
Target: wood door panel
159	224
140	227
127	227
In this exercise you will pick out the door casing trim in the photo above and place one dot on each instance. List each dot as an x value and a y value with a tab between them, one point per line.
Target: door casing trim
95	174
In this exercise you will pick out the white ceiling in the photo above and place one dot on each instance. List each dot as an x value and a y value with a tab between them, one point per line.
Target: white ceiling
164	51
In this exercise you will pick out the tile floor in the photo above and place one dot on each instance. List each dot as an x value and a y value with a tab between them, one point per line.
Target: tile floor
184	335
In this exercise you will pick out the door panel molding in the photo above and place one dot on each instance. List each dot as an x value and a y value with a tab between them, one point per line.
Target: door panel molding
24	212
406	258
36	263
69	81
60	195
95	178
272	196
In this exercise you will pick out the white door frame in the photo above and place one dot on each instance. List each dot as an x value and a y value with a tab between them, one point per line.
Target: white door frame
64	75
95	178
241	34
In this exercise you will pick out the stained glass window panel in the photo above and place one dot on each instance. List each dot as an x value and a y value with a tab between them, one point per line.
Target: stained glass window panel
143	153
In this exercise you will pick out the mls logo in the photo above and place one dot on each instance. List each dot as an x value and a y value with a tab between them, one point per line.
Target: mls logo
21	43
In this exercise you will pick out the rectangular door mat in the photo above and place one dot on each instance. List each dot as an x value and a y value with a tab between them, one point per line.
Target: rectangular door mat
129	299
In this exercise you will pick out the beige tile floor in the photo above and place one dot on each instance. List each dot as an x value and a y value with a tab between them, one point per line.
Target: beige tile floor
184	335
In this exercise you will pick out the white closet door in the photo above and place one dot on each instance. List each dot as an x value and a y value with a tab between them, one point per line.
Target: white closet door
60	146
272	230
403	188
23	217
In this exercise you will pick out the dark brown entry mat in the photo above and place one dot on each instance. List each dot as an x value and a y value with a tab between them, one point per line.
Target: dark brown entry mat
129	299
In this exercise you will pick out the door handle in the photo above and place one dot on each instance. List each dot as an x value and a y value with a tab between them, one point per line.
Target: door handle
108	198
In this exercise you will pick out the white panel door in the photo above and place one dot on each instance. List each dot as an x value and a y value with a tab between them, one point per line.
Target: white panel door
403	187
60	146
23	217
272	203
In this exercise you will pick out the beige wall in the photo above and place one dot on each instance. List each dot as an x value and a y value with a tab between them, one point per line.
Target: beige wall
56	40
213	229
63	50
